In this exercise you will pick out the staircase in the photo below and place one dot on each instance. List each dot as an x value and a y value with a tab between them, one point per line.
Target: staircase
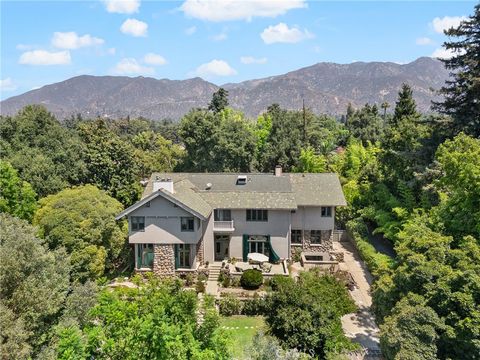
214	271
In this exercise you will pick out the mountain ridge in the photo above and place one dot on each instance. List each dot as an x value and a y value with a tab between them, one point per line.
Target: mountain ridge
326	87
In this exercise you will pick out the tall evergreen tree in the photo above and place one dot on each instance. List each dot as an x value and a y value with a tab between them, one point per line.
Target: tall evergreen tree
219	101
405	105
462	92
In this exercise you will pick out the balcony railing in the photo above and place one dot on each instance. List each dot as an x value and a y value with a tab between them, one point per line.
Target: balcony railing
223	226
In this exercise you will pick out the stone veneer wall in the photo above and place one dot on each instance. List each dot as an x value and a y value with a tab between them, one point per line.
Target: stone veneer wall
164	260
199	251
325	246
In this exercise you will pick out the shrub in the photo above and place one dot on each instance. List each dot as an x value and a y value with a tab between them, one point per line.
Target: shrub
202	277
189	279
251	279
297	254
200	286
256	306
226	282
278	280
229	305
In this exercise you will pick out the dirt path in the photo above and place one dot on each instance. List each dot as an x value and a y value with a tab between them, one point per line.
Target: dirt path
360	326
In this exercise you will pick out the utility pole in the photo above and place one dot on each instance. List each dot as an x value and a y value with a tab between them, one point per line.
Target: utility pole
304	124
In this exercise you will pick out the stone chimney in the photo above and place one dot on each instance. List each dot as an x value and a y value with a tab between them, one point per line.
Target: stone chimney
278	170
163	183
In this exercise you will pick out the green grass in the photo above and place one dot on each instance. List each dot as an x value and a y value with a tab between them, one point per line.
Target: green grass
242	336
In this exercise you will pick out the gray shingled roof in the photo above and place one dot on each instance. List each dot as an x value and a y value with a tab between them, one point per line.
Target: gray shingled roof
317	189
262	191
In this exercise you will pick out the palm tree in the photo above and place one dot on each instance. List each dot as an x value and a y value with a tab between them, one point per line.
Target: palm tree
385	105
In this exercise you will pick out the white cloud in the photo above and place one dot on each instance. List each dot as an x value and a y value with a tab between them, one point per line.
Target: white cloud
130	66
111	51
70	40
122	6
252	60
7	85
447	22
281	33
134	27
215	68
423	41
191	30
43	57
442	53
154	59
220	37
227	10
24	47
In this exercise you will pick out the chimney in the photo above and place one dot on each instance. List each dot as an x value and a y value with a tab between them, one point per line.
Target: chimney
278	170
162	183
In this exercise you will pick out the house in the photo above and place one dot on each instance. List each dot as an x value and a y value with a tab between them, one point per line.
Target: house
186	219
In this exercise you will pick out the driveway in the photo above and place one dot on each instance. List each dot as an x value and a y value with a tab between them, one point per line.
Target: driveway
359	326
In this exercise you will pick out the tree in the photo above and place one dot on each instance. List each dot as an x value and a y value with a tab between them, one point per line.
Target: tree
219	101
365	124
44	153
82	220
459	186
405	105
110	162
309	162
462	92
158	320
16	196
305	315
385	105
411	331
33	286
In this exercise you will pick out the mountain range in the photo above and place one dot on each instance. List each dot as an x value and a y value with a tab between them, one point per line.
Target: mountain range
325	87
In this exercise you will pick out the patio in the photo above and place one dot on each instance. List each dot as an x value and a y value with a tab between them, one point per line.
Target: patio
267	269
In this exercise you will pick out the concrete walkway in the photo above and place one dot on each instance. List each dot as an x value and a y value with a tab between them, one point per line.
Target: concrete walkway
360	326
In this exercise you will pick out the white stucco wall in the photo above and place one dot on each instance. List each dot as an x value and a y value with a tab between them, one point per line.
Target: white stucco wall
162	224
277	226
310	218
208	244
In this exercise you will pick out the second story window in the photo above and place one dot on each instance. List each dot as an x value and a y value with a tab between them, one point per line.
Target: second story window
257	215
137	223
222	215
187	224
326	211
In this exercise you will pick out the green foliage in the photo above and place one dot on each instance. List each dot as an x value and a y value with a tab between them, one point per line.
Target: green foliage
265	347
229	305
459	162
365	125
219	101
45	154
306	314
111	163
251	279
309	162
16	196
411	331
82	220
156	321
462	91
33	286
405	106
253	307
377	263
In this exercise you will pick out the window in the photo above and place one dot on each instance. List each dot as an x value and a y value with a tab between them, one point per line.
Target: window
258	244
326	211
183	254
222	215
144	256
315	236
257	215
296	236
187	224
138	223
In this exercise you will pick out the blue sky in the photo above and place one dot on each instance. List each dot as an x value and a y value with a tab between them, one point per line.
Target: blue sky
220	41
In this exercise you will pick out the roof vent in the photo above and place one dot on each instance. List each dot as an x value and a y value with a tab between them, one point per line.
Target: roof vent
241	179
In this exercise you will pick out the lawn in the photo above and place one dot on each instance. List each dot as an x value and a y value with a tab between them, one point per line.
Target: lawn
241	330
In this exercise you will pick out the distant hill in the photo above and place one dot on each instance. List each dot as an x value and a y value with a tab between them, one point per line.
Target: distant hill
326	88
